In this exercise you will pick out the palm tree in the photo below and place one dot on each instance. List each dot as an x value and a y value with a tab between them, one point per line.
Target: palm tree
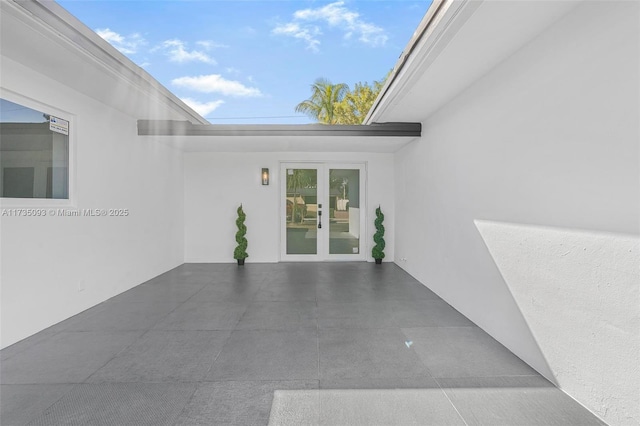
320	105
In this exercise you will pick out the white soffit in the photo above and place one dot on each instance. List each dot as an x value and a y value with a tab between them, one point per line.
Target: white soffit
465	40
367	144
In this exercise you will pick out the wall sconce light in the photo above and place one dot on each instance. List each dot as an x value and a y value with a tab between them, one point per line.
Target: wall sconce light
265	176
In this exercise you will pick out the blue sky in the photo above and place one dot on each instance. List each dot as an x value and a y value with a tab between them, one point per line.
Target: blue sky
254	60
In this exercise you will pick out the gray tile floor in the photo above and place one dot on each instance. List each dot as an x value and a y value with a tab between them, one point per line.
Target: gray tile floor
209	344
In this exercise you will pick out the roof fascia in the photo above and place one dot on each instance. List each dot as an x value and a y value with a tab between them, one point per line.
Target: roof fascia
185	128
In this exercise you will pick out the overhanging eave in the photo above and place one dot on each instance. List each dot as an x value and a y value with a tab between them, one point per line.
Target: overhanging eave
185	128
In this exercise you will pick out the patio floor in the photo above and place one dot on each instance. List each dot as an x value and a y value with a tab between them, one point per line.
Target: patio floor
209	344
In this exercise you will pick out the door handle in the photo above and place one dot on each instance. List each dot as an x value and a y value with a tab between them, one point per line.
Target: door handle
319	219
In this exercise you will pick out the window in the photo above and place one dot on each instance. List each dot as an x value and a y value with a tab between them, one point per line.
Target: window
34	153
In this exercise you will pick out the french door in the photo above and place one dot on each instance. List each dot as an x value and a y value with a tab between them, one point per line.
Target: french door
322	211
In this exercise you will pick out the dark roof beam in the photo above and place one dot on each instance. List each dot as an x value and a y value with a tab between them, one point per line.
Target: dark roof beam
186	128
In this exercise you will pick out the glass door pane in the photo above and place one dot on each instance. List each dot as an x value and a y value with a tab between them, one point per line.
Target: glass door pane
344	211
301	210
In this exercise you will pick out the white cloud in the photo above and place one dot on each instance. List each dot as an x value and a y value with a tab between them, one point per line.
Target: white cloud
335	15
125	44
209	44
177	52
215	83
308	34
202	108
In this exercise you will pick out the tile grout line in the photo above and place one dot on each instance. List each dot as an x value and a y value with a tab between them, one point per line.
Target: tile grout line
450	401
184	407
437	382
114	355
53	333
318	336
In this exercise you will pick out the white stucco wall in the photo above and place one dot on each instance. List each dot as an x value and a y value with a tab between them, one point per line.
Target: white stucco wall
45	260
216	183
527	188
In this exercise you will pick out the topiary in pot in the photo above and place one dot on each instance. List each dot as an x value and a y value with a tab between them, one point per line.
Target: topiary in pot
378	250
240	253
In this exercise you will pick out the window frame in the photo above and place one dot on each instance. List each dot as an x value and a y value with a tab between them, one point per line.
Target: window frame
7	202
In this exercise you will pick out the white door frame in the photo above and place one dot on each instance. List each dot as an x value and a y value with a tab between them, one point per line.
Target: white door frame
323	168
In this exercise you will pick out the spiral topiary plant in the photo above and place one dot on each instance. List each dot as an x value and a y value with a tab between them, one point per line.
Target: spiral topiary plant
378	250
240	253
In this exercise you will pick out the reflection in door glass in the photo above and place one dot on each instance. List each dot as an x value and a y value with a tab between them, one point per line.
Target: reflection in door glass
344	211
302	211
